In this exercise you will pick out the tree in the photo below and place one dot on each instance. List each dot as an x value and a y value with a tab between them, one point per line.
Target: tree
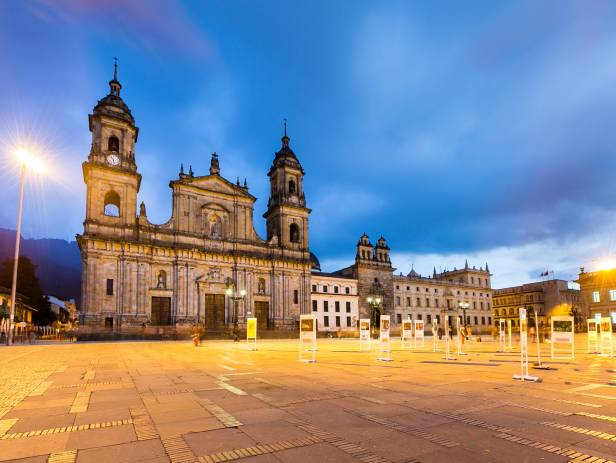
28	286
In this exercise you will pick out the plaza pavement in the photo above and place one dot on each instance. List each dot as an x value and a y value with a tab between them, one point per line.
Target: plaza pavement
169	401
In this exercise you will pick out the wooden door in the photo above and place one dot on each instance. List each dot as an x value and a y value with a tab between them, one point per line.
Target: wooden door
161	311
214	311
262	314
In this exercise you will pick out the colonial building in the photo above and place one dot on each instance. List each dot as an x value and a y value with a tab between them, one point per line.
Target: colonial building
23	309
545	298
429	298
374	275
597	292
335	302
136	272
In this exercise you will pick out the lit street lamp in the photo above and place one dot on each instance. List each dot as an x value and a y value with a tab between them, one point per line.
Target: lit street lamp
27	160
235	296
464	306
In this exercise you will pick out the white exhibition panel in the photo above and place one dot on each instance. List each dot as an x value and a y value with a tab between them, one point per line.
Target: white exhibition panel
384	339
307	338
562	336
407	332
524	376
501	334
606	337
419	332
251	332
364	333
593	337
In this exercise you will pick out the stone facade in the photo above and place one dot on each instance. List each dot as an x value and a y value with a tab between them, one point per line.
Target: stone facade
427	298
546	298
136	272
597	292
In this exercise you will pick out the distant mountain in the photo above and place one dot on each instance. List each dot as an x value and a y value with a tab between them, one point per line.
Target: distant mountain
58	262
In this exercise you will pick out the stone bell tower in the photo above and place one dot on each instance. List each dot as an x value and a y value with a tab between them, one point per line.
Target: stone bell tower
110	173
374	275
287	214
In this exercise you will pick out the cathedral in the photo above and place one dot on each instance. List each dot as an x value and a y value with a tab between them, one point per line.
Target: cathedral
206	265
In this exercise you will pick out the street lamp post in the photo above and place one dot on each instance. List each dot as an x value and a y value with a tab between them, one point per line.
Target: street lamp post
236	296
26	160
375	303
464	306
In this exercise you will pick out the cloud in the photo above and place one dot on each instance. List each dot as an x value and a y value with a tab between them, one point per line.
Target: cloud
153	25
494	133
518	264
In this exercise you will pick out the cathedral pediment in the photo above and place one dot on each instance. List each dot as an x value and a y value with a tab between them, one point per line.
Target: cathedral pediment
215	184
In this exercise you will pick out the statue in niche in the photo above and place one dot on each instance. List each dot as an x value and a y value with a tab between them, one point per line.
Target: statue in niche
161	280
215	227
261	286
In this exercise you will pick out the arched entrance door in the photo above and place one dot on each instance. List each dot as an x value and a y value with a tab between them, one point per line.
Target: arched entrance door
262	314
214	308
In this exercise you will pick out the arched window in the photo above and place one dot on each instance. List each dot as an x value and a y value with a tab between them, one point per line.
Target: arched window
113	144
215	226
112	204
294	233
291	187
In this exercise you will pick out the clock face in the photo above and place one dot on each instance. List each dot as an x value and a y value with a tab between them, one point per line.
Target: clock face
113	159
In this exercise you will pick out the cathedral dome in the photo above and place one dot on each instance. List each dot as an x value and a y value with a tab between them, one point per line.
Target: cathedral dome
316	265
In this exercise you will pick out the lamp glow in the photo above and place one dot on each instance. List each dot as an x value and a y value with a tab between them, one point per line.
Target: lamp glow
30	161
607	263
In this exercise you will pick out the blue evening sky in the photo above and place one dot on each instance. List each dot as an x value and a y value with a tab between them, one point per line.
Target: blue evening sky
481	129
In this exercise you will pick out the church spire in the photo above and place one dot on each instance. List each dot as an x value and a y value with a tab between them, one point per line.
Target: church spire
114	85
285	139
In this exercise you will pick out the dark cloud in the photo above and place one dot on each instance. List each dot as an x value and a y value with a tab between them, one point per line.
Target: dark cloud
451	131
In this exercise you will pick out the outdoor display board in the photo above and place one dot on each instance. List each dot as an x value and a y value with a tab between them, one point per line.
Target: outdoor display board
606	336
419	333
384	340
501	335
459	338
509	344
447	355
562	333
307	338
524	376
364	333
407	332
593	338
251	332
